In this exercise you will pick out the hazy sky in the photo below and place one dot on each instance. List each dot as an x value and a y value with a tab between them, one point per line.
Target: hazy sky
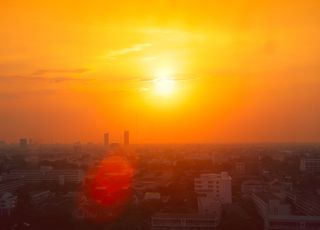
242	70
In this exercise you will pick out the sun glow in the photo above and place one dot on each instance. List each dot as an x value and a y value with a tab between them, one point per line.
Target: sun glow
164	84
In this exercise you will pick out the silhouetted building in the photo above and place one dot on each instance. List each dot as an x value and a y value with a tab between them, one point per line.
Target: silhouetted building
126	138
106	140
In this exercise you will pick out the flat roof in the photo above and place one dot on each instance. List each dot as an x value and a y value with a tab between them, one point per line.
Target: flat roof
181	215
294	217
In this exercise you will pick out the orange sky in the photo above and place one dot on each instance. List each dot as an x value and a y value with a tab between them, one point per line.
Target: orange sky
244	71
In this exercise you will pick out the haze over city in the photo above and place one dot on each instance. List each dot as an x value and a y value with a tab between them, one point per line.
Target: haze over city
159	115
168	71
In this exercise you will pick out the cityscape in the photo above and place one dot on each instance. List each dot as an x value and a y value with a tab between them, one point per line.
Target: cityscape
159	187
159	115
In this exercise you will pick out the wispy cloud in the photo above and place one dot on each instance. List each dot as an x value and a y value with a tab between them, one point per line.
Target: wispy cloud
15	95
48	75
125	51
60	71
41	79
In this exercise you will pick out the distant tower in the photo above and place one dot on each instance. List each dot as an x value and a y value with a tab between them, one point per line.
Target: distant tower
23	143
106	140
126	138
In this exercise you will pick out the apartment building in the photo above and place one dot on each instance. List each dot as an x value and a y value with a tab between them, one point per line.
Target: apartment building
217	186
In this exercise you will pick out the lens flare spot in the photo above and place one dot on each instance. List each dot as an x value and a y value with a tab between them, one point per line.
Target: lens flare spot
107	189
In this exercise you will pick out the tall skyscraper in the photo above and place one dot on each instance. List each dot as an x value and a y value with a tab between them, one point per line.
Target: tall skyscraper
126	138
106	140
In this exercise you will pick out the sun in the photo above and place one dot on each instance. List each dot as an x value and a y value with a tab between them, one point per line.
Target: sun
164	84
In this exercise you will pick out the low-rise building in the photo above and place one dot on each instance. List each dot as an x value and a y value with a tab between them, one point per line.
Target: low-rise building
216	186
252	186
10	186
240	168
39	198
184	221
8	204
207	205
277	214
151	196
310	165
278	185
50	175
305	203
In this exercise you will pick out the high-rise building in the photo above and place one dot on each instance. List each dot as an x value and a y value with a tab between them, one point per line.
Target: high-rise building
23	143
126	138
106	140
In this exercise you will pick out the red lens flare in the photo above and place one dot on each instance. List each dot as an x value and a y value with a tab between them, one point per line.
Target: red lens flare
107	189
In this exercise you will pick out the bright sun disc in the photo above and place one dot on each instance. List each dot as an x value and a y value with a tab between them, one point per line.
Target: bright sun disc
164	86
